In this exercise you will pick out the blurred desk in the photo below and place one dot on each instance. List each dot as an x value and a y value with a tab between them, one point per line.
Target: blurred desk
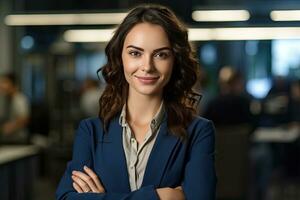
276	134
10	153
18	170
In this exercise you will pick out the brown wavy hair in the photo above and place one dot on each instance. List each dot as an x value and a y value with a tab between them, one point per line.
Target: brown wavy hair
179	98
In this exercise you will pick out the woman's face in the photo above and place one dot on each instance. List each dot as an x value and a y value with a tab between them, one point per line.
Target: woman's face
147	59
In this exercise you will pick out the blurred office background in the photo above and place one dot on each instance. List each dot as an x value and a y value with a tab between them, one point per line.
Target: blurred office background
249	51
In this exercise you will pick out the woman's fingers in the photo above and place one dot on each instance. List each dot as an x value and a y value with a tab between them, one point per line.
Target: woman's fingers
95	179
81	183
88	181
77	187
179	188
170	193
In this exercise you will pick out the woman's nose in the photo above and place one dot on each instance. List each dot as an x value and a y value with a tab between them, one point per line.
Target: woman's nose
148	64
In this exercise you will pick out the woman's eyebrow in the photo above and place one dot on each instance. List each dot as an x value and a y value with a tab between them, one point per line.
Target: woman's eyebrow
135	47
154	51
162	48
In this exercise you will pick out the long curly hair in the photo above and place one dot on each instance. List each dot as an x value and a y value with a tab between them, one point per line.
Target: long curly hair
179	98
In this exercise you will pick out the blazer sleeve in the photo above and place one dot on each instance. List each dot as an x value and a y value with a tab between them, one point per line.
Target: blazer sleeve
199	182
82	155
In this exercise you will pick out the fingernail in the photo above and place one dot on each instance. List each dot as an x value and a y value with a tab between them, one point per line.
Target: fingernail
85	167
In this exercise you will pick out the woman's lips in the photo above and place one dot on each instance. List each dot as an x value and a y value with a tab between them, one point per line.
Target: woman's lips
147	79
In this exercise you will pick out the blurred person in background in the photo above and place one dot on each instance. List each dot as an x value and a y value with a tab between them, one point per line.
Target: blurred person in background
275	161
230	112
13	127
148	142
291	152
232	105
275	106
89	100
294	104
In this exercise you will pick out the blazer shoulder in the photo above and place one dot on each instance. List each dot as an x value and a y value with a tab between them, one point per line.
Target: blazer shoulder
91	122
199	122
95	126
92	126
200	127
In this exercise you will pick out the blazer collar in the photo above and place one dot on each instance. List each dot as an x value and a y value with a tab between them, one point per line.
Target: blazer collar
158	158
114	153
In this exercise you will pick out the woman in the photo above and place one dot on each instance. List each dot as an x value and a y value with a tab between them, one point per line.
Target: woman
147	143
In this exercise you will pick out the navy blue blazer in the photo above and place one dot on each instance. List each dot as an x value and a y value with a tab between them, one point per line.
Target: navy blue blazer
172	163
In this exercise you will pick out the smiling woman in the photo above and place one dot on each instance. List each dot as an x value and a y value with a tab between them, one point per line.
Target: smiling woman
147	142
147	59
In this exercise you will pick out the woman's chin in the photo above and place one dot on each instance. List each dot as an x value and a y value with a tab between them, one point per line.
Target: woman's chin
148	91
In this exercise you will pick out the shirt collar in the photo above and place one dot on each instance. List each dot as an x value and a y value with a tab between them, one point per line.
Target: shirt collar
122	118
155	122
158	117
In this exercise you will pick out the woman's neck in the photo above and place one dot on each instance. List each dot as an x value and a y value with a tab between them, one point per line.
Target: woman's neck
142	108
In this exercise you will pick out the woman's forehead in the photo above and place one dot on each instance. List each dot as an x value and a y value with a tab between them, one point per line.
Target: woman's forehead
146	35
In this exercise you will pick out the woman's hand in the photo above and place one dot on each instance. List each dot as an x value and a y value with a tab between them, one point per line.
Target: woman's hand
170	193
86	182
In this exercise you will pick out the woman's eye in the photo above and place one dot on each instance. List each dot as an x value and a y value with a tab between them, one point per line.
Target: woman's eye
134	53
162	55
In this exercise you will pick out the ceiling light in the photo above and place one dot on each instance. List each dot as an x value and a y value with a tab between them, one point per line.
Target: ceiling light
285	15
63	19
102	35
198	34
247	33
220	15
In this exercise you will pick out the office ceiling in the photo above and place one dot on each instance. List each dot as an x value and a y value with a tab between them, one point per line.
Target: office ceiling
259	9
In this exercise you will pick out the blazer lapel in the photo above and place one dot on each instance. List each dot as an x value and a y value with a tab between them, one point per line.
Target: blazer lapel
114	157
159	156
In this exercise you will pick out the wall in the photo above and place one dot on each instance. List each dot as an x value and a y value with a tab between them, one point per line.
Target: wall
5	39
